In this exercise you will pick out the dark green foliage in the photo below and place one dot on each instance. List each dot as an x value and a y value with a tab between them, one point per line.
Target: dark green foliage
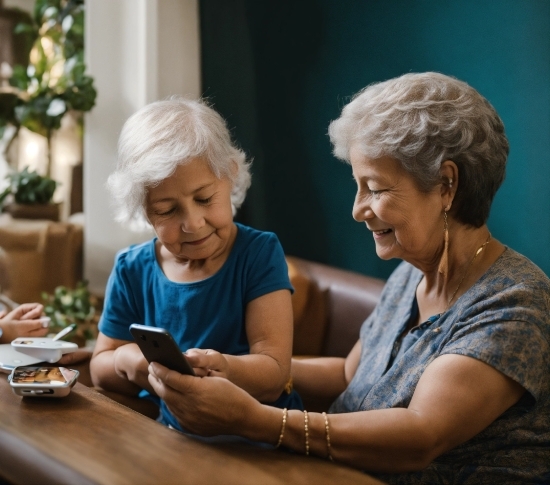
67	306
29	188
8	102
54	81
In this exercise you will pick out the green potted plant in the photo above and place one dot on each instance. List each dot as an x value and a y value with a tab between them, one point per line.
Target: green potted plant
29	195
9	124
19	45
53	83
72	306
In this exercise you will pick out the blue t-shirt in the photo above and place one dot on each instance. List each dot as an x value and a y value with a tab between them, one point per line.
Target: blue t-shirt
502	320
207	314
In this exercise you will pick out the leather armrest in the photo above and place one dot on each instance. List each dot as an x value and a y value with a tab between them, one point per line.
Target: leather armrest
337	302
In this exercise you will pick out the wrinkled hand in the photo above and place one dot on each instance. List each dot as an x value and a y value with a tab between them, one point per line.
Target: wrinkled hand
206	407
22	322
208	363
130	364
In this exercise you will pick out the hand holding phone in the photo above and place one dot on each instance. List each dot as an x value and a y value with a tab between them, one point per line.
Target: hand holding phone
157	345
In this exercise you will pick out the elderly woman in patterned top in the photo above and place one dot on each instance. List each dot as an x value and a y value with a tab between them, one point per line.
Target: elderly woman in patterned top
449	381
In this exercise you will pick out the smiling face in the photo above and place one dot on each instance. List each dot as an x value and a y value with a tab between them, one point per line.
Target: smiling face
191	214
406	223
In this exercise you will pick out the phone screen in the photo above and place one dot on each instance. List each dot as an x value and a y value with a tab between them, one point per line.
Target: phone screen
53	376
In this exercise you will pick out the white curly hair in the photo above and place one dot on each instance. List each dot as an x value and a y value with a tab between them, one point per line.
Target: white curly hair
164	135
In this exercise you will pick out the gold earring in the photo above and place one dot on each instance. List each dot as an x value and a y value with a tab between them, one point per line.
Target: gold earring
444	263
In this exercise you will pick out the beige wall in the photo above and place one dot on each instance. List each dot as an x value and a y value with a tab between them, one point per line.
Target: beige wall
138	51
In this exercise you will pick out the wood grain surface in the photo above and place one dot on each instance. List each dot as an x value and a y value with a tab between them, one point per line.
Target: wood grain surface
86	438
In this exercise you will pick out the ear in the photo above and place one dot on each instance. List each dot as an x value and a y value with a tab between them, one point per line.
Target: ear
449	183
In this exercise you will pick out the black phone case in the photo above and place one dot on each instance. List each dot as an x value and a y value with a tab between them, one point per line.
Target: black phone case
159	346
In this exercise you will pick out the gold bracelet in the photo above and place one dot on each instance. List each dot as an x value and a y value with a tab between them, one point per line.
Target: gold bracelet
289	385
306	429
327	432
285	414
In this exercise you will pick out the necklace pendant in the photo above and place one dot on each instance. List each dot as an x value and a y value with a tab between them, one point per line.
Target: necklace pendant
481	248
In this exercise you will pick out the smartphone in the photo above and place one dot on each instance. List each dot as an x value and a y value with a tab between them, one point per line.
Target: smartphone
158	345
42	381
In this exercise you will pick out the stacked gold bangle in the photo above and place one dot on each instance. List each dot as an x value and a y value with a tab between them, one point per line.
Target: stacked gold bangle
285	415
306	432
327	433
306	429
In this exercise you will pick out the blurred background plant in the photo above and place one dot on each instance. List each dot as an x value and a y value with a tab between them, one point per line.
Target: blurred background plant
28	187
53	82
67	306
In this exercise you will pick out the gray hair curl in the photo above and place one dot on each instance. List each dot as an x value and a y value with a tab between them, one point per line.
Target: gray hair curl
421	120
163	135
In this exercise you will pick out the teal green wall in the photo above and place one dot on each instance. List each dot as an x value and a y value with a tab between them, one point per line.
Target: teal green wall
279	71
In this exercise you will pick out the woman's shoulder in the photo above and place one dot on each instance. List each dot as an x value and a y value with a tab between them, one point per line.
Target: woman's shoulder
513	292
513	286
513	270
257	252
253	240
248	233
136	255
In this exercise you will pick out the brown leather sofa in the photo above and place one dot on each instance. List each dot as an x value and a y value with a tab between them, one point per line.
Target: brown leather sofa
329	305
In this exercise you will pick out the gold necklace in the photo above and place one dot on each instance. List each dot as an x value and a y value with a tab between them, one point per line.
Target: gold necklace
479	250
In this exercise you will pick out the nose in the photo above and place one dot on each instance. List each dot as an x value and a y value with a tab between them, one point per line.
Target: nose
361	208
192	221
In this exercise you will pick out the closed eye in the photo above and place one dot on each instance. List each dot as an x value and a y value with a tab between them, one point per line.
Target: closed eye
375	193
166	213
203	201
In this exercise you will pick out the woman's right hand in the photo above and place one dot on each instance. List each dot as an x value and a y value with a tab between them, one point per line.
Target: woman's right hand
213	406
118	365
130	364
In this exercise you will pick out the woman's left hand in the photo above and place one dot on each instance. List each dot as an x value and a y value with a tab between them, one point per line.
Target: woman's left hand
208	362
208	407
22	322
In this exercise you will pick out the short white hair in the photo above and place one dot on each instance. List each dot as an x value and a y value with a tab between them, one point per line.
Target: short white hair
164	135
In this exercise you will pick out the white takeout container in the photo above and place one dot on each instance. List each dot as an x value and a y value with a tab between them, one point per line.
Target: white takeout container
45	349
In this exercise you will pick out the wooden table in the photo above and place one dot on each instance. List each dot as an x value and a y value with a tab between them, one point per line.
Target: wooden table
86	438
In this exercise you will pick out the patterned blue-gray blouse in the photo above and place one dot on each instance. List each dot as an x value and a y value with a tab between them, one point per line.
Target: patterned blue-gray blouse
504	321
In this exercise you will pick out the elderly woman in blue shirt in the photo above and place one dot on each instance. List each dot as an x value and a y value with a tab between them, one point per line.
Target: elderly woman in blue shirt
219	287
449	380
